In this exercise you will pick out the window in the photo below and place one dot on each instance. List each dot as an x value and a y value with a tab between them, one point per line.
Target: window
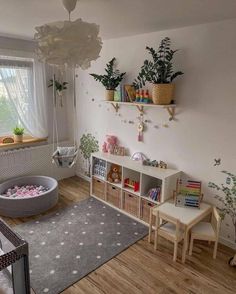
22	96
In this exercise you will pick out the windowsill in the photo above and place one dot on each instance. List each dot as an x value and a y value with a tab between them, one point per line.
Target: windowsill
27	141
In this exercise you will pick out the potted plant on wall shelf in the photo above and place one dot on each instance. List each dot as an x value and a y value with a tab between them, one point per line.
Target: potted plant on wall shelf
110	80
159	72
18	134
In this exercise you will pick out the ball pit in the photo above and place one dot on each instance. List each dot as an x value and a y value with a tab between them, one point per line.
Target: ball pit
27	196
25	191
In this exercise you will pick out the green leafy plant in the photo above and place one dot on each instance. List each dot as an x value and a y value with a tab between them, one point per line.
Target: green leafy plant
59	87
227	197
159	70
88	145
18	131
112	78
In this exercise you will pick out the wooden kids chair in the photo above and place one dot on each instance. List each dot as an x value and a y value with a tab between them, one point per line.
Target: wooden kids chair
207	231
169	229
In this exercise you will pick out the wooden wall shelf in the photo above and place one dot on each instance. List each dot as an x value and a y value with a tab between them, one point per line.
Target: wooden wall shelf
141	106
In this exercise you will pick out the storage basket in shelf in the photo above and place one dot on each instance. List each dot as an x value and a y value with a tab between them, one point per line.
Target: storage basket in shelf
114	195
131	203
99	188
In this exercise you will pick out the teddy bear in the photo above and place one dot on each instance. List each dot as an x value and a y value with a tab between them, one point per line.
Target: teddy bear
114	175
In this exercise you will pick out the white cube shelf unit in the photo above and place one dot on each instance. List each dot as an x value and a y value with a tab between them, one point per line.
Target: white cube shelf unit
124	198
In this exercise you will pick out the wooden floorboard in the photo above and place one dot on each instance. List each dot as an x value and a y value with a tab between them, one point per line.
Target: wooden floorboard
141	269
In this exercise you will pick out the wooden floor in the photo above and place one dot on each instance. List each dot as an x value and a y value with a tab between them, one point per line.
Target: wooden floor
140	269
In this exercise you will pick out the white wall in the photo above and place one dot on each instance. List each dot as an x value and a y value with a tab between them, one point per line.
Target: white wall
206	115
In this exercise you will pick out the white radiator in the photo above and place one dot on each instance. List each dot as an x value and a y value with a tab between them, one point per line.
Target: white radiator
31	161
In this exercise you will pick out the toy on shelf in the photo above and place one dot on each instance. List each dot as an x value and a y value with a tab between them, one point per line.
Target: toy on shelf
111	146
138	156
188	193
142	96
162	164
154	194
131	184
114	175
155	163
99	168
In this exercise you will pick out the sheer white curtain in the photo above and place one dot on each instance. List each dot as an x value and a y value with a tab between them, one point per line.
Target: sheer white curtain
25	84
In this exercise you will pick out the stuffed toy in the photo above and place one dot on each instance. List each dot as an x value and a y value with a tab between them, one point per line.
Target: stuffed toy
109	145
114	175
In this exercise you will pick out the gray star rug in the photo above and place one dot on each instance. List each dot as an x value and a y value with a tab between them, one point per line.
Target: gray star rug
67	245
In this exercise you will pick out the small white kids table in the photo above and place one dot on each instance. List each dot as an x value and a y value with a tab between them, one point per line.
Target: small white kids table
187	216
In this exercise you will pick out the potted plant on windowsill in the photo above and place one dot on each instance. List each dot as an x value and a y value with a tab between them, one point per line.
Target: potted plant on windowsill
18	134
110	80
159	72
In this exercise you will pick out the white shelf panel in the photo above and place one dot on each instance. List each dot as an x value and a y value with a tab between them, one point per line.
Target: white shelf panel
99	178
150	200
118	185
131	191
125	161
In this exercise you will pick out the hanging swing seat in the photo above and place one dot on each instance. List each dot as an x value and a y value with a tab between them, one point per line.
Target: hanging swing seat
65	156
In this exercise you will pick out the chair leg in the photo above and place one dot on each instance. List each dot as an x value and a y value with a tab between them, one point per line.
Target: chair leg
215	249
156	233
150	227
175	251
191	246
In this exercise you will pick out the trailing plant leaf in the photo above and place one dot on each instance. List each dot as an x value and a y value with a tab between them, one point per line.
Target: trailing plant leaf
160	69
227	198
112	78
58	86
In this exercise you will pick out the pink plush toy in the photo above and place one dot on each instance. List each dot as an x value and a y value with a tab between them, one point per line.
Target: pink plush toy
109	145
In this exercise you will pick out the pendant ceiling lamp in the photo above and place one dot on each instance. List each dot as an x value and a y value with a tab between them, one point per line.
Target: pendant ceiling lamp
68	43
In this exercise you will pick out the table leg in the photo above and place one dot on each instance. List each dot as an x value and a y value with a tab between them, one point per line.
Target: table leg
185	245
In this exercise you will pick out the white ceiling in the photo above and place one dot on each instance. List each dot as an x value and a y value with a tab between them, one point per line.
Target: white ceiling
116	18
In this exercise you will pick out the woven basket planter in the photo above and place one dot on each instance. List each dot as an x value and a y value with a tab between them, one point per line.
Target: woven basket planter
110	95
18	138
162	94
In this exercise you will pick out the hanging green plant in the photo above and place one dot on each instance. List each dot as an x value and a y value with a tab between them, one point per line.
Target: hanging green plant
88	145
59	86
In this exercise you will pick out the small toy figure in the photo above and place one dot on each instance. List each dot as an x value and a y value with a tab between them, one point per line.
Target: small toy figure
114	175
162	164
138	156
104	147
153	163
